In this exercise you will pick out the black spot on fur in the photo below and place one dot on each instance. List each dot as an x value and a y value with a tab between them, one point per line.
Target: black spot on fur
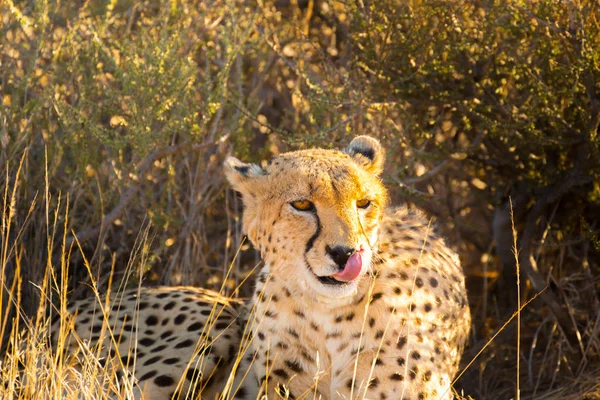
221	325
397	377
413	373
184	344
240	394
427	376
164	380
294	366
401	342
331	335
192	373
147	342
376	296
179	319
152	360
147	375
196	326
282	373
307	356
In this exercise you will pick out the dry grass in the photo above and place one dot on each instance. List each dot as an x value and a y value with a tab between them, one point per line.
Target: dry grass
32	367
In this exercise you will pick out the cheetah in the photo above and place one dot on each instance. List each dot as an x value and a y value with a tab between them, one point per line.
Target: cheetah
355	299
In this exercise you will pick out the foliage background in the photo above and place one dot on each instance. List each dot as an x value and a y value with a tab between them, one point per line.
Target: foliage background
116	115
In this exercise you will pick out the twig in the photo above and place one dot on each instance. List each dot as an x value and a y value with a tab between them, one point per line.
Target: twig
410	188
429	174
135	187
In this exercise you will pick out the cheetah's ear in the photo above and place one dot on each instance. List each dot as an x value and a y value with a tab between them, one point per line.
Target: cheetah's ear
368	153
242	177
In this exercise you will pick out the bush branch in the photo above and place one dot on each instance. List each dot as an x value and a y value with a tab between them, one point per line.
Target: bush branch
155	155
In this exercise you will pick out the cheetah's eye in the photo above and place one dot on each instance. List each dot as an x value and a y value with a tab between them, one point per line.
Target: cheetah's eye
303	205
364	203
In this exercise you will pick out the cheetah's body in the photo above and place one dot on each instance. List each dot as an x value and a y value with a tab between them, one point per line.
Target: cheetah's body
352	301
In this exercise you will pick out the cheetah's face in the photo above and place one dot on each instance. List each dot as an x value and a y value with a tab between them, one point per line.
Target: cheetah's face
314	214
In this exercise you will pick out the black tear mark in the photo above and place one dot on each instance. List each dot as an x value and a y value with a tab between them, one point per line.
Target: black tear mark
242	169
314	237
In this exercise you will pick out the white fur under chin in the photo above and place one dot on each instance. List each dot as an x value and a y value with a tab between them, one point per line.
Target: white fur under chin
335	302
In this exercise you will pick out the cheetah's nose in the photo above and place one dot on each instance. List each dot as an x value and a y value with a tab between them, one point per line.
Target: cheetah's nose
340	254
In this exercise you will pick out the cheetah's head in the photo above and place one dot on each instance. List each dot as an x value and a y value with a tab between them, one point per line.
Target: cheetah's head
314	214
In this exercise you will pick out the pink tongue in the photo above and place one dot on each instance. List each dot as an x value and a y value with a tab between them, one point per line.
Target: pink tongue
351	270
